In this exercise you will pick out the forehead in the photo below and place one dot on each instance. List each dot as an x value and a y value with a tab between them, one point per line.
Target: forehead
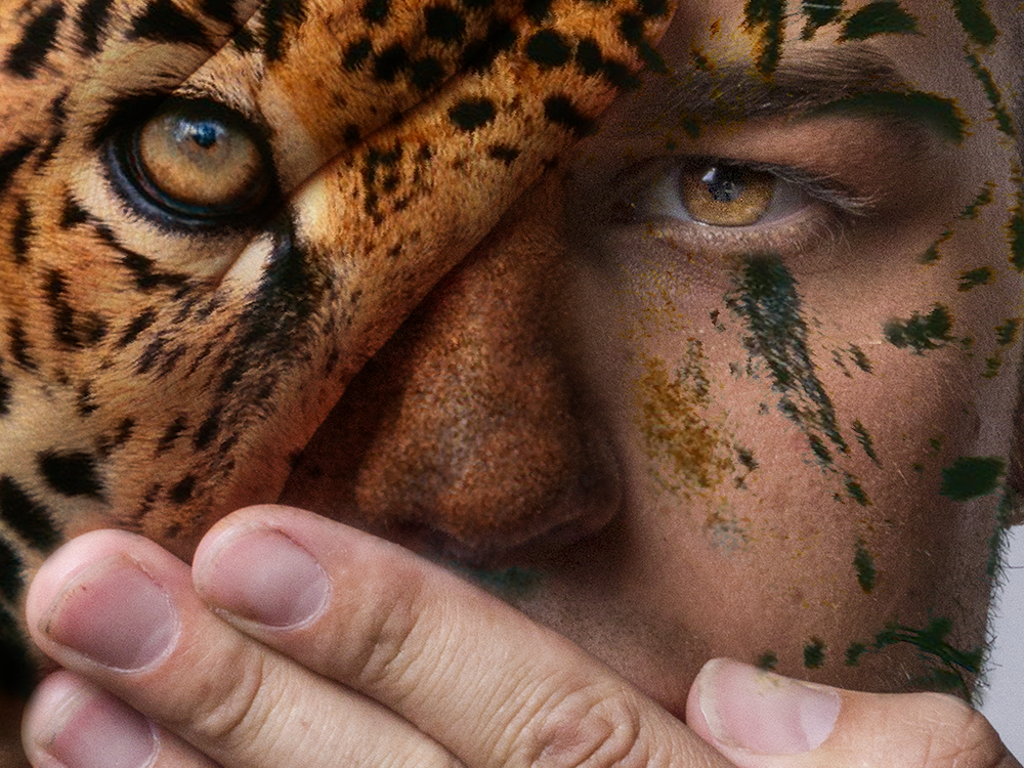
923	41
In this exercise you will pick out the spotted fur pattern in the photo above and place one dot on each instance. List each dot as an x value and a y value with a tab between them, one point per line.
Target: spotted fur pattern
154	377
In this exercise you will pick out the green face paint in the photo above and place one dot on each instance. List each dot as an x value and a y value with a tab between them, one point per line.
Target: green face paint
970	212
860	358
768	661
746	458
856	491
975	21
814	653
725	531
1006	333
766	299
938	112
768	18
884	17
1015	230
819	13
865	440
993	364
995	98
998	544
983	198
854	652
921	332
970	477
864	563
948	666
972	278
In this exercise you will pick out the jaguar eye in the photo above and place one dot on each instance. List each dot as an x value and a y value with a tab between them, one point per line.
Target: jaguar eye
727	195
194	162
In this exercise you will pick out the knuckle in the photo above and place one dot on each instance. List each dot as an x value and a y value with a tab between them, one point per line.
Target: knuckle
590	727
230	709
387	634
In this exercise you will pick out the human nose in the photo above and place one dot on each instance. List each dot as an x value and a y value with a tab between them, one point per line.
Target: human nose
468	433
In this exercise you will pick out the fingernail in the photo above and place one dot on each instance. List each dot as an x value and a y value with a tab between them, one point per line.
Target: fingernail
264	576
87	729
764	713
115	614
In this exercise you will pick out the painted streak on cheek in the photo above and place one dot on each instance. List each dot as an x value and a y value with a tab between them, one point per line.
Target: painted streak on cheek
766	300
684	434
689	451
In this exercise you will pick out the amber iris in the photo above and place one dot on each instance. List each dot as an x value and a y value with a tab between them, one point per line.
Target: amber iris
200	163
726	195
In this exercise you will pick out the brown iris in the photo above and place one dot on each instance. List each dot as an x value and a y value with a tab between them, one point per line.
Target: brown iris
726	195
200	164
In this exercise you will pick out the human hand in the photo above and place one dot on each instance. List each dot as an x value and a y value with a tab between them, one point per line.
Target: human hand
378	657
373	657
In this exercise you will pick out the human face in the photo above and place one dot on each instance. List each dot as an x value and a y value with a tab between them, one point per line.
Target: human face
676	407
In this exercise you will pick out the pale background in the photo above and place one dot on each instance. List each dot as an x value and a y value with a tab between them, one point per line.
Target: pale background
1004	701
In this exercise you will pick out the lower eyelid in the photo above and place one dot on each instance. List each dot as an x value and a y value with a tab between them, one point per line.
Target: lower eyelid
792	237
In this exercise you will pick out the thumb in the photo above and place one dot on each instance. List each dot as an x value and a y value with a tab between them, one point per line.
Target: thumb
758	719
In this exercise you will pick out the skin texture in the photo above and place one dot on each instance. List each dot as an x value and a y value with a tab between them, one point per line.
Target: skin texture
634	412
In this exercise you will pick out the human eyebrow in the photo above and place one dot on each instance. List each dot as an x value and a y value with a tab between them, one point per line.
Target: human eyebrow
851	78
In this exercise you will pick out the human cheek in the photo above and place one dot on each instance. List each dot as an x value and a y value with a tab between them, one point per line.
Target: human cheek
794	436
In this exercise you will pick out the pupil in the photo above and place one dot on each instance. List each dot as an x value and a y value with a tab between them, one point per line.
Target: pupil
205	133
723	184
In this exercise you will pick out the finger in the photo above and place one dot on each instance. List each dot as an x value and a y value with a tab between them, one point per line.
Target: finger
70	723
485	681
121	612
762	720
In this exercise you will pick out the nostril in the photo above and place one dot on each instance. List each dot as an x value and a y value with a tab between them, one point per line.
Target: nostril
555	506
512	529
517	482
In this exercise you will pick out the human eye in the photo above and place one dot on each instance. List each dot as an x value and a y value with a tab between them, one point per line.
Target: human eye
733	205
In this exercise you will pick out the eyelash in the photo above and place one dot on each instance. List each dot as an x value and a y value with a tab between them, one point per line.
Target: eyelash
831	208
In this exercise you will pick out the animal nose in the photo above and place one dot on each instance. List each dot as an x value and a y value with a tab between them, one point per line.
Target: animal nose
467	432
